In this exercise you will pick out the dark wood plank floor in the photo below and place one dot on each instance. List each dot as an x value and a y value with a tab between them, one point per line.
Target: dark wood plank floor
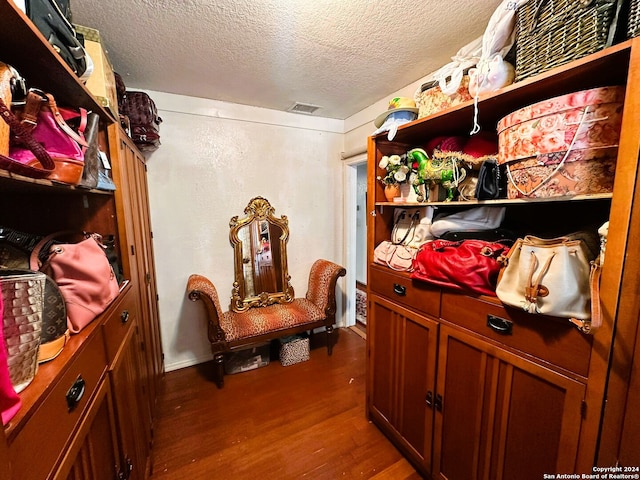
302	421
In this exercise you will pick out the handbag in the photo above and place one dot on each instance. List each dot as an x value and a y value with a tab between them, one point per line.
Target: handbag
404	225
91	155
549	277
10	401
23	300
15	252
467	265
476	218
395	256
491	181
144	120
46	123
84	275
51	17
42	166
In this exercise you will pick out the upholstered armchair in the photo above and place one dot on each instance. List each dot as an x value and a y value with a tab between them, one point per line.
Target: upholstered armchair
233	330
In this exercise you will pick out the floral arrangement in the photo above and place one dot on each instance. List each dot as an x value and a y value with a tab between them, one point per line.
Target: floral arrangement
400	169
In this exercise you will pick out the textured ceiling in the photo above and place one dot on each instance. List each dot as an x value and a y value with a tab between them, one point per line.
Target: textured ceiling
341	55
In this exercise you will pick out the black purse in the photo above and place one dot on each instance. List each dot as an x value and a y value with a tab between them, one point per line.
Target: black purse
491	181
52	19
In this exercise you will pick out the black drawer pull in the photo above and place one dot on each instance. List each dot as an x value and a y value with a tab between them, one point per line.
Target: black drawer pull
399	290
124	316
75	393
500	325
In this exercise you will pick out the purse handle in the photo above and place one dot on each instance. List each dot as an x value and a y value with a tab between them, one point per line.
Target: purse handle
22	134
412	228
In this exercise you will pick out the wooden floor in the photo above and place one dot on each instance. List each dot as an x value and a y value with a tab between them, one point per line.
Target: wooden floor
302	421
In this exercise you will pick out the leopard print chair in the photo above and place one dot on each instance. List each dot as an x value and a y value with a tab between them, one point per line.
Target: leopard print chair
229	331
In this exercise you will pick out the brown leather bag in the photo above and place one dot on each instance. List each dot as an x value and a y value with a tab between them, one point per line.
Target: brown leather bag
144	120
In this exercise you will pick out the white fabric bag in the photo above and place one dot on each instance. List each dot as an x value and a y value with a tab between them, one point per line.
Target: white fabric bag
476	218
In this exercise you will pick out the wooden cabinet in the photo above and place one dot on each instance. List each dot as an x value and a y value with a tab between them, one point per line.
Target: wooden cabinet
125	358
131	173
532	401
403	376
94	453
88	414
500	415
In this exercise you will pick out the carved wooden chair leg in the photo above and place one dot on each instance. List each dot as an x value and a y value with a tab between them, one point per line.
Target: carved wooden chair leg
330	339
218	369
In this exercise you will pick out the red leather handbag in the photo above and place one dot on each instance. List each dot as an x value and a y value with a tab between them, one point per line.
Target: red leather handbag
466	265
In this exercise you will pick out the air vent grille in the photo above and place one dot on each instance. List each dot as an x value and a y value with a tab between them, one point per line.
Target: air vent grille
305	108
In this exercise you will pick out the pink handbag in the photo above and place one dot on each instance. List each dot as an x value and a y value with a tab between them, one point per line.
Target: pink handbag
10	401
48	126
395	256
84	275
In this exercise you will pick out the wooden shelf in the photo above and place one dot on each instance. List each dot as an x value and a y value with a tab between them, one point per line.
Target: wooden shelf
42	68
501	201
604	68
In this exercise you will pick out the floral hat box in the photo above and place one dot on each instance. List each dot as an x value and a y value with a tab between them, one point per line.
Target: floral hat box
563	146
584	119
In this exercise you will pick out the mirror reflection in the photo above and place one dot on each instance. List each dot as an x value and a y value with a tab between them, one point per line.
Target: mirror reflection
259	242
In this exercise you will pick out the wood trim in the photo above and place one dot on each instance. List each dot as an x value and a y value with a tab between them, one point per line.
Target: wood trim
622	267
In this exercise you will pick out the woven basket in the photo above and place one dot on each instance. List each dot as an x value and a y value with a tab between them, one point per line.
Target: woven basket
633	24
550	33
23	300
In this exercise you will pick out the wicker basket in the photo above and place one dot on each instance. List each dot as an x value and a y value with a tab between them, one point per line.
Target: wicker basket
550	33
633	23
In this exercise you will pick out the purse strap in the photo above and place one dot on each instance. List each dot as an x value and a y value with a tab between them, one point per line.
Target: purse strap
22	134
595	322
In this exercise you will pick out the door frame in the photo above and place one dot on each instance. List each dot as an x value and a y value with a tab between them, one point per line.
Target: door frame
350	242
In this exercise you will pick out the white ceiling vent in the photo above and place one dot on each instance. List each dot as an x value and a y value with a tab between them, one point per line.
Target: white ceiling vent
305	108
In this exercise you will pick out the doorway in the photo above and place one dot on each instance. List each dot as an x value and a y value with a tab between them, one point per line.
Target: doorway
355	214
361	246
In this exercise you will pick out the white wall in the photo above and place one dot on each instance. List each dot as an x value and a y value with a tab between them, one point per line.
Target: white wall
214	158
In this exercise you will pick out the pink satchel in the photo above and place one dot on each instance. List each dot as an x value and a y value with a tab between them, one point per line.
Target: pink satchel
48	126
84	275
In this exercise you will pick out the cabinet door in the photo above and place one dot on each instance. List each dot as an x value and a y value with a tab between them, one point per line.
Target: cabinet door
130	405
500	416
402	354
5	467
133	168
135	233
93	454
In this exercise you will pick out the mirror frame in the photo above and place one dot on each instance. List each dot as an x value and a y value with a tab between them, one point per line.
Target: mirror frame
258	209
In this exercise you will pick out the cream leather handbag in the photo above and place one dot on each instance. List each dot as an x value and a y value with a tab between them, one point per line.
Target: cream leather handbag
548	277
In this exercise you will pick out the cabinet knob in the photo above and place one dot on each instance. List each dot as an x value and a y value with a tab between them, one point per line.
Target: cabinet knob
124	316
75	393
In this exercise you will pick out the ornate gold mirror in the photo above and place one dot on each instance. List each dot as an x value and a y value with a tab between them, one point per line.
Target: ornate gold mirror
259	243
